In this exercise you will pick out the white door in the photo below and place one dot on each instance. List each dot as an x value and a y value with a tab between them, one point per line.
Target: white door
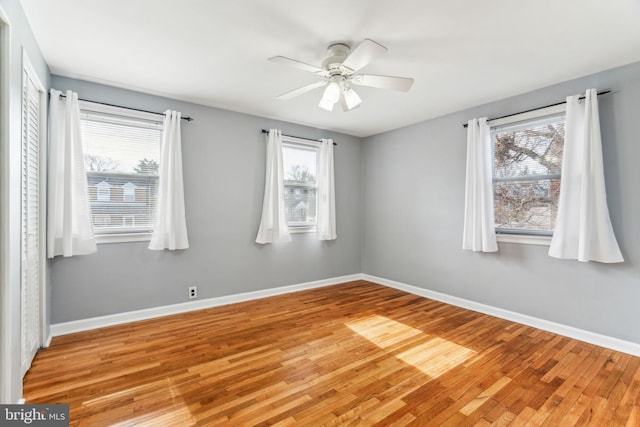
31	282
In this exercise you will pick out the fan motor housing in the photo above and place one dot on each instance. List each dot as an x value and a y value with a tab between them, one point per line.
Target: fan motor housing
338	52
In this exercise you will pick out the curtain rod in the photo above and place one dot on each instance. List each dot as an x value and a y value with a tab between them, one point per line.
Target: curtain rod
187	118
291	136
534	109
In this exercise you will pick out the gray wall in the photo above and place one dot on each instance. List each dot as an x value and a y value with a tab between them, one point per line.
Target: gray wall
400	203
413	205
21	38
223	157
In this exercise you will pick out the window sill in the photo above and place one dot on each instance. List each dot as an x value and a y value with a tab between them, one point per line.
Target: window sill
122	238
524	239
300	230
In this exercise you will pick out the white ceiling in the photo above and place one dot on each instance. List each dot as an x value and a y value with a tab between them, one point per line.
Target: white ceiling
461	52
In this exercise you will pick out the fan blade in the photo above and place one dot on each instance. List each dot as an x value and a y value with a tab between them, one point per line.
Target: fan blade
364	53
402	84
301	90
297	64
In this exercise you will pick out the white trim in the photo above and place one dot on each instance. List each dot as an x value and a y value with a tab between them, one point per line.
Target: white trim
47	340
150	313
43	218
123	112
292	140
556	328
22	401
535	114
122	238
524	239
6	386
301	230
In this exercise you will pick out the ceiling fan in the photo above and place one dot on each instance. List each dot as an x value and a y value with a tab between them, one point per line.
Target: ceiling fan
339	72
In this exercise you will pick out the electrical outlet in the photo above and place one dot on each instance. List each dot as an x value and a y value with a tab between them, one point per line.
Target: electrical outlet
193	292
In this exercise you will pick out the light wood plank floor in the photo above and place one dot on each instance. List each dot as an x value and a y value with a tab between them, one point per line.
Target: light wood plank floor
350	354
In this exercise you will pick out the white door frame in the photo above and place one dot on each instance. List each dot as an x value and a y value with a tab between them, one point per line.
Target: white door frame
6	386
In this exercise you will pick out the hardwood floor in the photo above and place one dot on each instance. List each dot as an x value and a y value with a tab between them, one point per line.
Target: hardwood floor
350	354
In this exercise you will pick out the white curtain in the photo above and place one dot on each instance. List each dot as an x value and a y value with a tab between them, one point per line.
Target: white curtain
479	228
583	229
69	229
170	229
273	224
326	223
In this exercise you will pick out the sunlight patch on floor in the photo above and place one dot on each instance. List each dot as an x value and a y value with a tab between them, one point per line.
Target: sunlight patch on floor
436	356
433	357
383	331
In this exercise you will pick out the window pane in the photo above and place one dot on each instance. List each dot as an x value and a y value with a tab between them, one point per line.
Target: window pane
113	147
526	205
122	159
532	149
300	204
300	164
526	174
115	208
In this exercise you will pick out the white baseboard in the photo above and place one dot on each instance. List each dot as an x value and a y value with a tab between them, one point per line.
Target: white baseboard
64	328
47	341
557	328
150	313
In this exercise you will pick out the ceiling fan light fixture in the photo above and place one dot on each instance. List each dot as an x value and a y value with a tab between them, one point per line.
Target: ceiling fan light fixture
340	70
351	98
330	96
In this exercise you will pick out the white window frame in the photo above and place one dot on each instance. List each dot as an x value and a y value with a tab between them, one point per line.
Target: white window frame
527	238
126	237
306	143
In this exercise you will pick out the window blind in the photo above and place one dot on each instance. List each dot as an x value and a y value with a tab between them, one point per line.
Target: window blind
526	174
122	158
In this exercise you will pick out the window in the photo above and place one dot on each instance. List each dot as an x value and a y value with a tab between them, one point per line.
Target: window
122	154
300	186
103	191
129	192
527	152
